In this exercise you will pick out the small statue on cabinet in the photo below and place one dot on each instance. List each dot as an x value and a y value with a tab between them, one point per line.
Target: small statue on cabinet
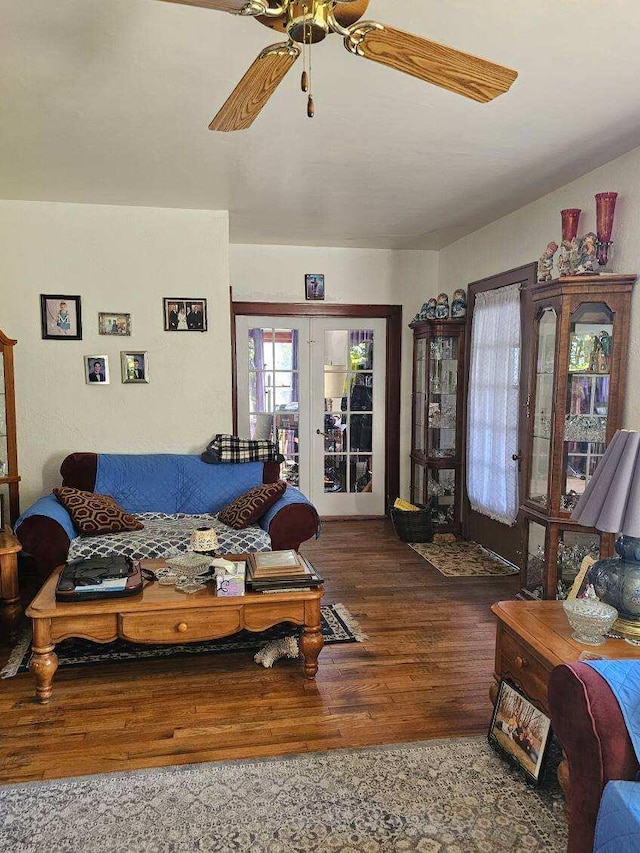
575	256
442	307
459	304
584	264
545	265
595	359
564	259
431	308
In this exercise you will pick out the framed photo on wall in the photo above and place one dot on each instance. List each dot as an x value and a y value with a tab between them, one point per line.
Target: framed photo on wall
184	314
520	731
314	286
135	367
60	317
110	323
96	369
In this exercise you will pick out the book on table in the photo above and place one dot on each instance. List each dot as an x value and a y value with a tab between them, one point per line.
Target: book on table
270	570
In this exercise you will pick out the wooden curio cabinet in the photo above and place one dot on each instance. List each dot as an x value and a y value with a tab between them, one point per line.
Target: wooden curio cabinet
575	404
436	440
9	479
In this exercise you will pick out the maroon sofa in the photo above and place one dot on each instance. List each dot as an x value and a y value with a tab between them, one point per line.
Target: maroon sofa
588	722
292	521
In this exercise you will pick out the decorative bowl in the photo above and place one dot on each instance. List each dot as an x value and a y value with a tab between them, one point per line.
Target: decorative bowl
590	619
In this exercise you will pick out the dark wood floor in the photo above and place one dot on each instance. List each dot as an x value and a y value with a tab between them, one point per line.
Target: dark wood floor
424	673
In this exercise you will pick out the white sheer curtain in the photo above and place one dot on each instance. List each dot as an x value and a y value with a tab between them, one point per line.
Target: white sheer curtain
492	475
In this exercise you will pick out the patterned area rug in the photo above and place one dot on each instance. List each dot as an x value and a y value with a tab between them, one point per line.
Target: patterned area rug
338	626
463	559
452	795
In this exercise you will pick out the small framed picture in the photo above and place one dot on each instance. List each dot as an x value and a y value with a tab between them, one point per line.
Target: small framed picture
60	317
520	731
114	324
96	369
182	314
135	367
313	286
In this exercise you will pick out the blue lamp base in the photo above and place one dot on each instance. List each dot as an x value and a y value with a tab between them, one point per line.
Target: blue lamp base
616	581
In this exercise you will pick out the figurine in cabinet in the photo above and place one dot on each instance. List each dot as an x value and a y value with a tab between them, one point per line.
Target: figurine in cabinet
459	304
442	307
564	258
606	345
545	265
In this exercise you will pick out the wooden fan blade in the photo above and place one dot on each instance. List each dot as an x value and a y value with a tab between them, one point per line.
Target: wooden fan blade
443	66
233	6
246	101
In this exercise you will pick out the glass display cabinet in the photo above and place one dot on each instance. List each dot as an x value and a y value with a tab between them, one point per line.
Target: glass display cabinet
9	479
436	443
576	395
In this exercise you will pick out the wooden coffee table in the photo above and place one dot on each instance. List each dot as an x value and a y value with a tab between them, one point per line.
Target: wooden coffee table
160	614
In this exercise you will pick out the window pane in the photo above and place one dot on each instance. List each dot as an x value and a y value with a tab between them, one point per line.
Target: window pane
361	349
335	468
360	473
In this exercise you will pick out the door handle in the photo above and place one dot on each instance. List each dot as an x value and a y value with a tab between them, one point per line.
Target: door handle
319	432
517	457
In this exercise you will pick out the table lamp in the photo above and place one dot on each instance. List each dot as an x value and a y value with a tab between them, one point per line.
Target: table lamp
611	504
334	380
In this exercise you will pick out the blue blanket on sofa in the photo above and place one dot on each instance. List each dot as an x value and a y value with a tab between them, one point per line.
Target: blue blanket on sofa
623	677
618	824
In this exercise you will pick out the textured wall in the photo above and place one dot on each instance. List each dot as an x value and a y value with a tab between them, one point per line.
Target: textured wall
116	259
352	276
521	238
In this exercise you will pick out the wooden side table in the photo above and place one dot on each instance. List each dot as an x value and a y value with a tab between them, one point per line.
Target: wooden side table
533	637
10	604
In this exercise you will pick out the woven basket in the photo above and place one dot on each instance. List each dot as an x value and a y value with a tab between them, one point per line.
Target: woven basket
413	526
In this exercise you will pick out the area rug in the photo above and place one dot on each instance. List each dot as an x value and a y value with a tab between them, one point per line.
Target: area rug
463	559
451	795
338	626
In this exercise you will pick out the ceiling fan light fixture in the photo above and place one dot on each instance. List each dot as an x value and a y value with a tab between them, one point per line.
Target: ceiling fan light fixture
309	22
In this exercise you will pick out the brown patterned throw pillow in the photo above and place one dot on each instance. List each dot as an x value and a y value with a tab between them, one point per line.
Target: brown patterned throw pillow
93	514
252	505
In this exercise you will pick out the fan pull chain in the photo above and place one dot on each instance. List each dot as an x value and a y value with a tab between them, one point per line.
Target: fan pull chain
311	109
304	82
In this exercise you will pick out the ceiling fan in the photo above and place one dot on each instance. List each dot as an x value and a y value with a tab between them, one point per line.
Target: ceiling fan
307	22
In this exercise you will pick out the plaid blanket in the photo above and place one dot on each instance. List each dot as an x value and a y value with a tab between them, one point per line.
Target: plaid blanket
230	448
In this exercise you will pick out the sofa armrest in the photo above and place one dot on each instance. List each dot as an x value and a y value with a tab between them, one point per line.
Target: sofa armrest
45	531
588	721
291	520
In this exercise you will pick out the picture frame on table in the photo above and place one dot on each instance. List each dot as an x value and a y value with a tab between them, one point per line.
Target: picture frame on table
314	286
135	367
96	369
520	732
184	314
114	323
60	317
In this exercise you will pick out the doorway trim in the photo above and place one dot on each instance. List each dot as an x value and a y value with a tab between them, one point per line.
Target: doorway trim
493	531
393	365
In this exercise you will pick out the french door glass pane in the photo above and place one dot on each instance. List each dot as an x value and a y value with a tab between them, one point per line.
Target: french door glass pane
274	385
348	421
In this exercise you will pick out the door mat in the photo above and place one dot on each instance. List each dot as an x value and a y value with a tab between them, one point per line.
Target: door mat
337	624
463	559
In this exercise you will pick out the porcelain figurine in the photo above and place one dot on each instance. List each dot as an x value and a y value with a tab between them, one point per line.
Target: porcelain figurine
459	304
584	262
606	345
431	309
564	259
442	307
545	265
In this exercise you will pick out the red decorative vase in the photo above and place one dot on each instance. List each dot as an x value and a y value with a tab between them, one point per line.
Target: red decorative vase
605	211
570	220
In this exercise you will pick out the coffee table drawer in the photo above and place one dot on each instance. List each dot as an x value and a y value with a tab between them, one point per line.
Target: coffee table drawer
521	666
180	626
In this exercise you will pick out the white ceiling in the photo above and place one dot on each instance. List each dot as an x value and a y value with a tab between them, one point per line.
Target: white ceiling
108	101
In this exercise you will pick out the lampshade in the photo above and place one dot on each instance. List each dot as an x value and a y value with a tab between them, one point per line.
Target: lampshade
611	501
334	377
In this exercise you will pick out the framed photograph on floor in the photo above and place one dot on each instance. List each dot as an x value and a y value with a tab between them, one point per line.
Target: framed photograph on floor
60	317
314	286
184	314
135	367
520	732
96	369
110	323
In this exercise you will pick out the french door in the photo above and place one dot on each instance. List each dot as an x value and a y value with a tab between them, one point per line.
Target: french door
316	386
